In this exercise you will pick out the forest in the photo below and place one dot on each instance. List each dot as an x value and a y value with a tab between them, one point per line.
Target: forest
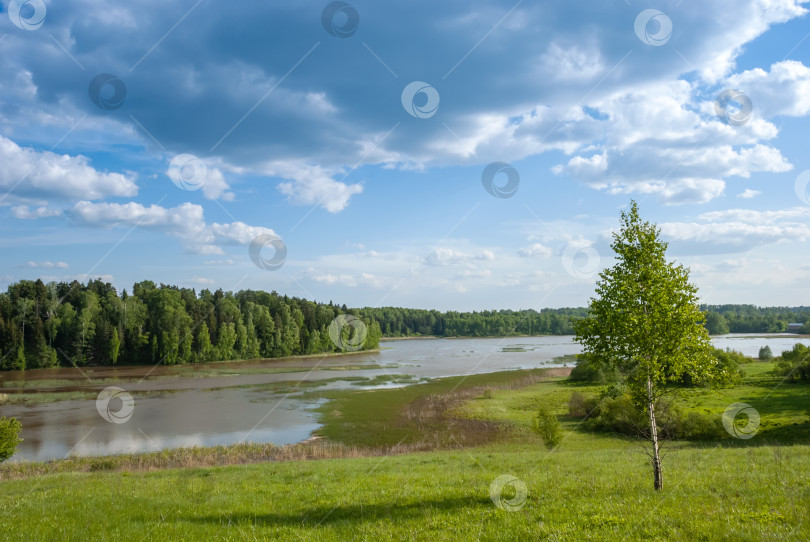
61	324
74	324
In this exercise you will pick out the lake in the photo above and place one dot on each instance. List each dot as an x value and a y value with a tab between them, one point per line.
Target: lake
226	403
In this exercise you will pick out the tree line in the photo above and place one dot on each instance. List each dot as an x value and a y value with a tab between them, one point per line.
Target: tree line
65	324
721	319
61	324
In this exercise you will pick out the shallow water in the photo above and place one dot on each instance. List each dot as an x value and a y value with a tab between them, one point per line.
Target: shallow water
174	407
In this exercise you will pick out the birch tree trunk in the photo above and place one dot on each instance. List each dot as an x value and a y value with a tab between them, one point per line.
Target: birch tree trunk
658	477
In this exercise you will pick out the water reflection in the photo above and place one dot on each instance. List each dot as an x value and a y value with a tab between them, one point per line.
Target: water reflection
239	404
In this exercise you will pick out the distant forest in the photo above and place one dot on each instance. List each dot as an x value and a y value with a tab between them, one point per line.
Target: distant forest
61	324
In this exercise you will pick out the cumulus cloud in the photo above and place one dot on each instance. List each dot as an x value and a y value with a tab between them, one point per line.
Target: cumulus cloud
782	90
185	222
312	185
23	212
742	229
48	265
30	173
449	256
536	249
748	193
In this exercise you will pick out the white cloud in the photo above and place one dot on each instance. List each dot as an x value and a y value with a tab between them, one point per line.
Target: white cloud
572	63
663	139
742	229
535	249
203	281
25	213
48	265
749	193
216	187
784	90
449	256
42	174
312	185
185	222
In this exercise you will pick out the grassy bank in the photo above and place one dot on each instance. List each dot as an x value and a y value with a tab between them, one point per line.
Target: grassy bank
593	487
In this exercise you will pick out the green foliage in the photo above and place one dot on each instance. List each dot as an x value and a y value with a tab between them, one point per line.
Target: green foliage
765	353
593	369
399	322
91	324
615	412
9	437
721	319
725	373
548	427
716	324
795	363
645	320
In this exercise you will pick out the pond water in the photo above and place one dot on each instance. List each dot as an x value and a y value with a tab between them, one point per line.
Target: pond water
258	401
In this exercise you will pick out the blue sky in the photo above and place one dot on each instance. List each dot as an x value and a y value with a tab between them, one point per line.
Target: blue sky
157	141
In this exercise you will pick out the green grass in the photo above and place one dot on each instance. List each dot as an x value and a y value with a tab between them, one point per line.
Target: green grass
592	487
579	492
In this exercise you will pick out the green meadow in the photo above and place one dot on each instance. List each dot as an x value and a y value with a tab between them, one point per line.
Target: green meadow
419	463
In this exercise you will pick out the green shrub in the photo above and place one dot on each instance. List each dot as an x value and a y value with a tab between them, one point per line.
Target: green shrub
795	363
576	405
765	353
621	415
590	370
547	426
726	374
9	437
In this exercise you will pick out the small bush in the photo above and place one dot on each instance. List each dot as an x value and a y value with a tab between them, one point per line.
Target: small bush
588	370
765	353
576	405
9	437
547	426
795	363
